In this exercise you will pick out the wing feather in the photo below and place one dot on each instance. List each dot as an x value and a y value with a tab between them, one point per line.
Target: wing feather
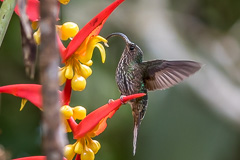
161	74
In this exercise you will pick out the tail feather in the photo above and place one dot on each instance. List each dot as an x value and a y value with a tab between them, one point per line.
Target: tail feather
137	122
135	134
138	112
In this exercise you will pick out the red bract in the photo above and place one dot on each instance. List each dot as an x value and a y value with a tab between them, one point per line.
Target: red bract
34	158
99	117
61	47
66	93
92	28
33	92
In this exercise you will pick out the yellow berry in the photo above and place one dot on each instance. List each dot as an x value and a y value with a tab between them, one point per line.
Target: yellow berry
78	83
69	72
79	112
87	154
66	111
85	71
69	152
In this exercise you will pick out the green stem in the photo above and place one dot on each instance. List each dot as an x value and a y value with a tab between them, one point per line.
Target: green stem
6	12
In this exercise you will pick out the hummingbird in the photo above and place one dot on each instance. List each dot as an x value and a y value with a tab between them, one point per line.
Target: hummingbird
133	75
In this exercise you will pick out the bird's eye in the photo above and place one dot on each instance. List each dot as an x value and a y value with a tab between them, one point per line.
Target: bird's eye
132	47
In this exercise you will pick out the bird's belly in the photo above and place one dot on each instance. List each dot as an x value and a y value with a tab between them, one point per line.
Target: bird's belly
128	83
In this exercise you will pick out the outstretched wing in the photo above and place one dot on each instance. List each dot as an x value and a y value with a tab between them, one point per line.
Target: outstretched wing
162	74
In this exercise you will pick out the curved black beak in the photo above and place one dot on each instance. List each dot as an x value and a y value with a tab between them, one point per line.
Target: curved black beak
123	36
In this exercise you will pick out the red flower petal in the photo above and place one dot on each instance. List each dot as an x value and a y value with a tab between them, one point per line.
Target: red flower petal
35	158
33	93
93	119
95	25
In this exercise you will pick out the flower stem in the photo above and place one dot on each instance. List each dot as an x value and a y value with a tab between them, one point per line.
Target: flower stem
6	12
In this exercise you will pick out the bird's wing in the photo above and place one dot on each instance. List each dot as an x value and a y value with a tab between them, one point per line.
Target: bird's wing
162	74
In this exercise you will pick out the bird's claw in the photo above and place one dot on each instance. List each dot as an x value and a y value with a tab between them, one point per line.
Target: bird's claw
110	100
121	99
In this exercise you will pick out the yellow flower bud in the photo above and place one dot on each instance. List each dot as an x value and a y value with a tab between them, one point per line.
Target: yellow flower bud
78	147
85	71
78	83
37	37
61	76
87	154
69	72
69	152
66	111
94	146
34	25
89	63
67	127
79	112
23	102
69	29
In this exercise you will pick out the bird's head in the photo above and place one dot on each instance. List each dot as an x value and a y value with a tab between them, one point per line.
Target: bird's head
131	48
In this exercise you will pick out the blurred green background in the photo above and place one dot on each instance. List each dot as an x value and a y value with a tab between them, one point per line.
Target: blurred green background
196	120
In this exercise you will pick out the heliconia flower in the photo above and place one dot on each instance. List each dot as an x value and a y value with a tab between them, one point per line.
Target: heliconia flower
33	93
91	29
78	112
92	125
35	158
78	54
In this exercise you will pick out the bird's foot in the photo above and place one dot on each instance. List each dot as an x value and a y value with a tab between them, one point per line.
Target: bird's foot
121	99
110	100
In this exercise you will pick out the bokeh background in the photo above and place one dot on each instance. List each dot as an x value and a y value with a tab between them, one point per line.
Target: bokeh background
196	120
